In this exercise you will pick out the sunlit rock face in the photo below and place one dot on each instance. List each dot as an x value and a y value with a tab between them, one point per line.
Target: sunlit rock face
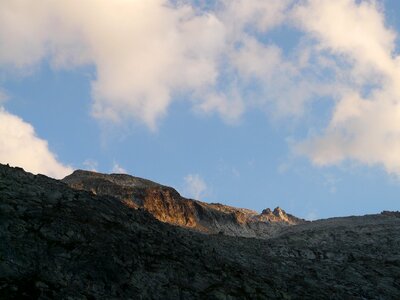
168	206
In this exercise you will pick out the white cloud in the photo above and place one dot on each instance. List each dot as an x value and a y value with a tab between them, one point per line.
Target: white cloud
19	146
118	169
229	107
260	15
355	30
365	124
195	186
281	87
143	51
147	52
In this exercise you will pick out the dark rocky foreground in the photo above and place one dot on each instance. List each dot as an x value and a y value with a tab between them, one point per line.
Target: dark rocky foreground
59	243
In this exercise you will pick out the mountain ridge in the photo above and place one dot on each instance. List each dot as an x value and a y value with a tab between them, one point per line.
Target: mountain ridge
61	243
167	205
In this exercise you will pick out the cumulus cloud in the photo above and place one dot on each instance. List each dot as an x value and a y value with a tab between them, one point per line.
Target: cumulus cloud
229	107
279	84
20	146
218	56
195	186
143	51
365	123
258	15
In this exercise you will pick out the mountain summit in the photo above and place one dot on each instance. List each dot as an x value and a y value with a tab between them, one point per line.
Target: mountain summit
168	206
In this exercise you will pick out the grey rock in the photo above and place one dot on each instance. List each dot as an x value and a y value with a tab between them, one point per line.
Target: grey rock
88	246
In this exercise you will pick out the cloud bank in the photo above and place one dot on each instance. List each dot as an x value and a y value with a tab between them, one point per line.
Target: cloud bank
218	56
20	146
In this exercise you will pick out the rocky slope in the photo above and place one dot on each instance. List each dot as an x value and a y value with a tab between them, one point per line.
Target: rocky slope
60	243
167	205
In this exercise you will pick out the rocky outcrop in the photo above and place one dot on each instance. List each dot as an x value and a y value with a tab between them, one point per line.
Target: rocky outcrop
167	205
60	243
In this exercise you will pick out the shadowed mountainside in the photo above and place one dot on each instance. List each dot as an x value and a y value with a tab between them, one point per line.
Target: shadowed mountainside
167	205
60	243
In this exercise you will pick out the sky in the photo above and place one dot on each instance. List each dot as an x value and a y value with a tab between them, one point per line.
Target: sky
249	103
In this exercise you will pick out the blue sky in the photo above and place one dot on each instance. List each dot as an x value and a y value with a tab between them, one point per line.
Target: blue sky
248	103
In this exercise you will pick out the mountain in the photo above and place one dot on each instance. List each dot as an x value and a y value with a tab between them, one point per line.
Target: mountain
61	243
167	205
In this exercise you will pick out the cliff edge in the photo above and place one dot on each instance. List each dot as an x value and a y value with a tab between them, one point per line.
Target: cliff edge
168	206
